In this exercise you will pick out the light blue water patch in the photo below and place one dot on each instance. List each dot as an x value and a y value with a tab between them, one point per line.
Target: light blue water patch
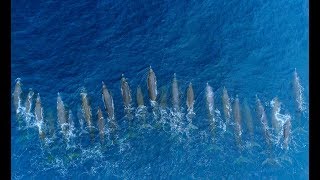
250	47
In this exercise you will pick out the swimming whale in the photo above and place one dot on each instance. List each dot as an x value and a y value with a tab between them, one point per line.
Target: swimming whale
17	95
210	106
261	114
62	116
175	94
86	109
38	111
107	101
226	105
152	85
297	92
210	101
237	119
190	98
126	92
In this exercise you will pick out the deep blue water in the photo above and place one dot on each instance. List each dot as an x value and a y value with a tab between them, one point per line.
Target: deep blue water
250	47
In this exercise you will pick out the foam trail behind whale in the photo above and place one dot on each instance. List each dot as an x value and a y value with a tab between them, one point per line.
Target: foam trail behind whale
276	124
71	127
101	125
287	132
38	111
17	96
28	103
164	116
175	94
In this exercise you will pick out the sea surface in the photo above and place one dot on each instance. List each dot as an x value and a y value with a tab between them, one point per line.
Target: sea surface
251	48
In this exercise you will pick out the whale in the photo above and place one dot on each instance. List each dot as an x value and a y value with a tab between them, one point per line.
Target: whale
210	101
237	119
209	96
126	92
107	101
17	95
86	109
175	94
297	92
261	114
38	112
152	85
62	115
226	105
190	98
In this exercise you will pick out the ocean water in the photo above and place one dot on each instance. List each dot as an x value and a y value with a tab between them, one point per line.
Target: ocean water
252	48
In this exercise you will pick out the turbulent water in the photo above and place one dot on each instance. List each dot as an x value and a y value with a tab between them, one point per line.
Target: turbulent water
63	51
